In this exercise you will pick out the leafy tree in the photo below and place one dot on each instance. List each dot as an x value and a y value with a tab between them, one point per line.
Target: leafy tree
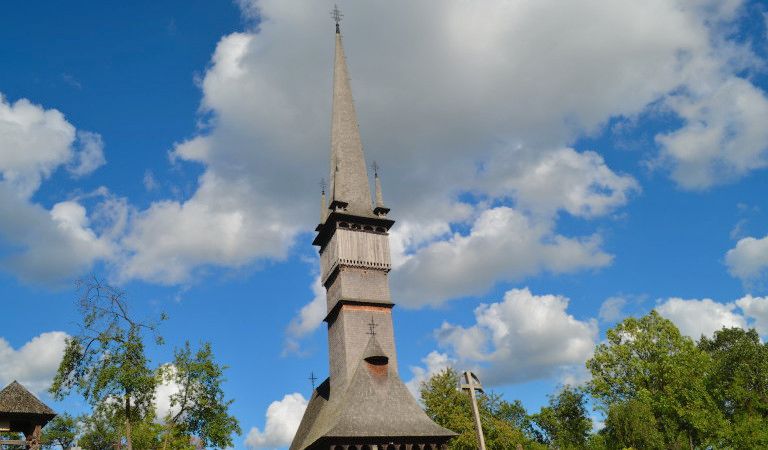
106	361
451	408
632	424
103	430
198	408
565	422
738	382
648	359
60	432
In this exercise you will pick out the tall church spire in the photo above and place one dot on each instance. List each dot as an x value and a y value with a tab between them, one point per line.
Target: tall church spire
349	180
363	402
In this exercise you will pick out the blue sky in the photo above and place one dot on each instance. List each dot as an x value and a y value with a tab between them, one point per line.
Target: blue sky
565	166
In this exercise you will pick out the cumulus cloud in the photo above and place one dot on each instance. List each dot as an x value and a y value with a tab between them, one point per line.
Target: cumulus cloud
748	261
34	141
90	155
611	309
41	245
724	136
434	363
308	319
48	246
696	317
503	244
564	179
498	127
283	418
755	308
34	364
523	337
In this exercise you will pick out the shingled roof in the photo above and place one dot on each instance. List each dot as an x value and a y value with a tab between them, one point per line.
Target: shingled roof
375	403
16	399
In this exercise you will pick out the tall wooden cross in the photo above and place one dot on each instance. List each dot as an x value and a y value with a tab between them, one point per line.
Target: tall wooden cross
472	384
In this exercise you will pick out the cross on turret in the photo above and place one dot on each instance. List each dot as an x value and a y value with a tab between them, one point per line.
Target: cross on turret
336	15
372	328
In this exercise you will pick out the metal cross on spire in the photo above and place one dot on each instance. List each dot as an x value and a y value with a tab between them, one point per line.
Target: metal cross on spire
312	379
375	167
336	15
372	327
323	185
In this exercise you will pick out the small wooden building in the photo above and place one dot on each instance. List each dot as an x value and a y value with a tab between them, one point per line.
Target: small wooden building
22	412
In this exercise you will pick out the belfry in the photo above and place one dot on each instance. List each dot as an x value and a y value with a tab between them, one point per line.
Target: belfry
363	404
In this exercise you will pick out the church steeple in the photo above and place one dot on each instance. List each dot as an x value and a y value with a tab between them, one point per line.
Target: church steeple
363	401
349	187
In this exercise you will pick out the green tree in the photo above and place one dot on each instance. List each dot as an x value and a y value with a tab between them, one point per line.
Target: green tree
199	408
60	432
648	359
738	382
106	361
565	422
451	408
632	424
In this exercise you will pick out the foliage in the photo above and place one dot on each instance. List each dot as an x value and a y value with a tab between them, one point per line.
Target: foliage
565	422
106	361
451	408
648	359
632	424
199	408
738	382
60	432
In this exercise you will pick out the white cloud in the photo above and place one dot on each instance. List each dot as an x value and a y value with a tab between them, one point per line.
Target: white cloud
283	418
748	261
223	224
524	337
611	309
434	363
33	143
696	317
490	125
724	136
90	155
308	319
39	245
503	244
48	246
755	308
546	182
163	392
35	363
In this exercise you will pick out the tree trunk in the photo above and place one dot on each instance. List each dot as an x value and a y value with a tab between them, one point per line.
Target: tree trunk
128	442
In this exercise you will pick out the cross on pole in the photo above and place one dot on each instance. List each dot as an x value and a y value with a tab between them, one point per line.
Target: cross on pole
472	384
336	15
312	379
323	186
375	167
372	328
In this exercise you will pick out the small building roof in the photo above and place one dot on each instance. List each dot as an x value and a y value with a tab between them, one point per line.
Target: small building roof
15	399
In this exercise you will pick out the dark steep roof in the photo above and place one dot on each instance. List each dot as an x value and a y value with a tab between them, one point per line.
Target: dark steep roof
16	399
376	403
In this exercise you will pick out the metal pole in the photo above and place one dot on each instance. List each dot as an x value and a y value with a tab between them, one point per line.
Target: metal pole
470	385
